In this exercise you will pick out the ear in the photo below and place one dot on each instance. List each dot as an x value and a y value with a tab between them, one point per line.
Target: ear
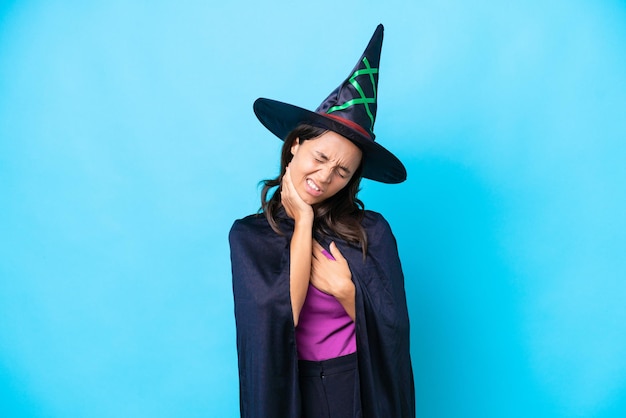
295	146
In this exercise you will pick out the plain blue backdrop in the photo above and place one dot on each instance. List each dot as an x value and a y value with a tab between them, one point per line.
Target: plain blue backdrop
128	146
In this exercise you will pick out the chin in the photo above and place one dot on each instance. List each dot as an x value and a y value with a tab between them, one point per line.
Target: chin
314	202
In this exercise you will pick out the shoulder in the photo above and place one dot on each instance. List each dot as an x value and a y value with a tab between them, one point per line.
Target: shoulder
375	223
252	227
255	245
373	217
251	223
255	231
380	237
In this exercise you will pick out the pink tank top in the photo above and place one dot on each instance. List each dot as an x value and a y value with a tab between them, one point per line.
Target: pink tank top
325	330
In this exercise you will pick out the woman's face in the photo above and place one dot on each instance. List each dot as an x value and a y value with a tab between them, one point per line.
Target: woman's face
323	166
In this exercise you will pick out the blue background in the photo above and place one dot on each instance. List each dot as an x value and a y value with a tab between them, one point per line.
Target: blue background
128	146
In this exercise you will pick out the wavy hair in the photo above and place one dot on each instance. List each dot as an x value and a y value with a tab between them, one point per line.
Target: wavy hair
339	215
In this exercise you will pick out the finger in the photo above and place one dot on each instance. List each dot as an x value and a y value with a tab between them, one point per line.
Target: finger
290	188
317	247
286	176
328	255
286	189
335	251
286	184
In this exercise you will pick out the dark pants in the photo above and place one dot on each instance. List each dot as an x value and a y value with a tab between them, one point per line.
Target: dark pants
330	388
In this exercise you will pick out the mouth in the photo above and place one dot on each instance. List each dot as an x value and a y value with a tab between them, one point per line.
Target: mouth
313	188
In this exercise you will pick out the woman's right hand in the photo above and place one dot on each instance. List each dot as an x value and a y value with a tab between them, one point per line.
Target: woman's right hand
295	207
300	248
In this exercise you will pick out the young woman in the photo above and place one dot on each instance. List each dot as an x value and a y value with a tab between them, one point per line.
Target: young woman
320	307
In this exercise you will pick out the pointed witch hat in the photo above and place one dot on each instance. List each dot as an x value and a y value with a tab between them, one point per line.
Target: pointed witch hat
350	110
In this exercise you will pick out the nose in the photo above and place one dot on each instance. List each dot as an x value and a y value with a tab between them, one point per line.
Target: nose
326	174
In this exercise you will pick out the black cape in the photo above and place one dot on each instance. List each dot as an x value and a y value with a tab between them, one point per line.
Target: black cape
266	344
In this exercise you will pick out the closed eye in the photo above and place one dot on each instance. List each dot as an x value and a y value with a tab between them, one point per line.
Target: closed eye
319	157
341	171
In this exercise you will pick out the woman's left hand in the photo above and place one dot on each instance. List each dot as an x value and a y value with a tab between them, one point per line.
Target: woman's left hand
331	276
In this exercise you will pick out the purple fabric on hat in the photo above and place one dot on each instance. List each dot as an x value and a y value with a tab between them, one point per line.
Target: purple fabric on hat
325	330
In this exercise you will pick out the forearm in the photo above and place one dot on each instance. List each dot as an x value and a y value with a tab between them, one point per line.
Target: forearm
300	265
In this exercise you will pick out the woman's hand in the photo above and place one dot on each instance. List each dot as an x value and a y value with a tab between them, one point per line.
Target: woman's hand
295	207
333	276
300	246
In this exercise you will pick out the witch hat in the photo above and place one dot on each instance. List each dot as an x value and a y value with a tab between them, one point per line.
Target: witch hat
350	110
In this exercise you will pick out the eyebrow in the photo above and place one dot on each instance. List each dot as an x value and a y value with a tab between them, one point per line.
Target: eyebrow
325	158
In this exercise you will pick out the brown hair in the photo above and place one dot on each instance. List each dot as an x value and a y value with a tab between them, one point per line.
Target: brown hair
338	215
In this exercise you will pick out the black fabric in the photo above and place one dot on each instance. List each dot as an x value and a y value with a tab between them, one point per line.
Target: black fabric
329	388
379	164
349	110
268	363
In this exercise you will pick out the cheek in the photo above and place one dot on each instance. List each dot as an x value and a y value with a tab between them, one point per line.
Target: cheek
299	166
339	184
294	164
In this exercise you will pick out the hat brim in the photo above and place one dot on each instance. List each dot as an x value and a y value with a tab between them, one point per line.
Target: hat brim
280	118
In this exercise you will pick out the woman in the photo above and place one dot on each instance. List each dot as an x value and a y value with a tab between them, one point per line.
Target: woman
320	307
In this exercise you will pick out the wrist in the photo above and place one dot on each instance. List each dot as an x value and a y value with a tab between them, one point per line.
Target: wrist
304	218
346	291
